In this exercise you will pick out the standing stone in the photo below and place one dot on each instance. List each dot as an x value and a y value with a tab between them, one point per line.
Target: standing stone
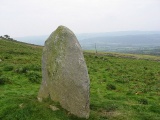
64	73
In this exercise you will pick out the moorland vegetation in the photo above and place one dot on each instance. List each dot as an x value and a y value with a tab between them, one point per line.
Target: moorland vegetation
123	87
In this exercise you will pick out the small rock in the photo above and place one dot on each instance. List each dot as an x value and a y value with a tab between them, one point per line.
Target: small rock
54	108
39	99
21	105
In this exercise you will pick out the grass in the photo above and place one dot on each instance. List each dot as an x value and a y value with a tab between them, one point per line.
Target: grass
123	87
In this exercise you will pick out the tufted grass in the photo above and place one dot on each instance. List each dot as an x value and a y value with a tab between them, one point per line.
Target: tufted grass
123	87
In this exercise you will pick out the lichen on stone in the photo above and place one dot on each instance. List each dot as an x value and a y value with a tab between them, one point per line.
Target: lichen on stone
65	76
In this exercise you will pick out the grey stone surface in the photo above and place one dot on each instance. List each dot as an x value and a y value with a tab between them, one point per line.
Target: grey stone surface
64	73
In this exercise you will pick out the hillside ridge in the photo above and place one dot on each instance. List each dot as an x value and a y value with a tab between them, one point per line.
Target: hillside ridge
120	87
114	54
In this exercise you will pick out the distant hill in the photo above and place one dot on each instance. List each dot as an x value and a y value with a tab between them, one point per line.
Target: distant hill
37	40
123	41
142	43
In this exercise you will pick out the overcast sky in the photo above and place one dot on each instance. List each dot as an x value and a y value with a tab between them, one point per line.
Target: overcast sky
40	17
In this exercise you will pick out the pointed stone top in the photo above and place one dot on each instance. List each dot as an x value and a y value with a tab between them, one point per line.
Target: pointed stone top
62	26
63	29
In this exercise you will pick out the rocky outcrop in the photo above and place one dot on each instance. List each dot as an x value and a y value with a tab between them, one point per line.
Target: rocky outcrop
64	73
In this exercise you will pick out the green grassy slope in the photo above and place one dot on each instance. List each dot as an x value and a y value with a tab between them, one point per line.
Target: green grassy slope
122	88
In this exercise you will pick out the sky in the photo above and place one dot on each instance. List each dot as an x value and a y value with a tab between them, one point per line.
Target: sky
20	18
